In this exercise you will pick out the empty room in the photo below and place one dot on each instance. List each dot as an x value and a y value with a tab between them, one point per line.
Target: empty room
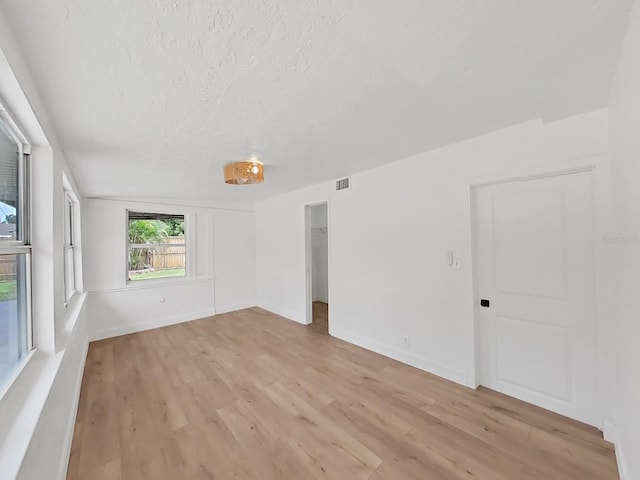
319	240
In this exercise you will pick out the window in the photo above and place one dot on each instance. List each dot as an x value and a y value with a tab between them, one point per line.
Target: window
15	251
70	205
156	246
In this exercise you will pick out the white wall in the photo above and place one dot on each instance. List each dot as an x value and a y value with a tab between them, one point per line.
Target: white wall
235	259
220	268
388	274
280	247
319	253
37	413
389	236
624	243
46	458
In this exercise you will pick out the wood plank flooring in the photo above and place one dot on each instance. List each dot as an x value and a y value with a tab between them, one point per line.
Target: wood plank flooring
250	395
320	315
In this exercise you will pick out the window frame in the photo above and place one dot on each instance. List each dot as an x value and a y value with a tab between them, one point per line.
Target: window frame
23	232
160	280
69	243
22	244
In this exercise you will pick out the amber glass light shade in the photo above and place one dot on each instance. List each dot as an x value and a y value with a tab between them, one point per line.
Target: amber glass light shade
244	173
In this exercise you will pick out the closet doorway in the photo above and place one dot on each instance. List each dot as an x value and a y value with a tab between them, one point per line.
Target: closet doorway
317	226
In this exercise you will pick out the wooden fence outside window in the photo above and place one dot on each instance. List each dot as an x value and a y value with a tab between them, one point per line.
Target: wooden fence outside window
162	256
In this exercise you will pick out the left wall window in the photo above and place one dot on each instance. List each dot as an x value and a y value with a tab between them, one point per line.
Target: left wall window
15	251
70	235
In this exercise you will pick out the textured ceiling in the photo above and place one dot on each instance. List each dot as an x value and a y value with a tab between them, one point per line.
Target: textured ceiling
152	97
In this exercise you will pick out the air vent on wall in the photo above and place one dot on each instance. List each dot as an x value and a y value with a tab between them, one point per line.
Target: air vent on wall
343	183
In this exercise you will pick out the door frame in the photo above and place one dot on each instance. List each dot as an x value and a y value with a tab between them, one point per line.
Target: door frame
600	186
308	261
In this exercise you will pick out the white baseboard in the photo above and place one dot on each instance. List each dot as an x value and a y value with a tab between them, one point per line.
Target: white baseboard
289	315
453	374
140	327
321	298
68	435
232	308
611	434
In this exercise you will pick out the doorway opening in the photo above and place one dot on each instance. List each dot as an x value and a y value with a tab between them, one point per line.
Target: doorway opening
317	226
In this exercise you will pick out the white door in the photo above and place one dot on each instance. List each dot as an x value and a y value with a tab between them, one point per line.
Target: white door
536	337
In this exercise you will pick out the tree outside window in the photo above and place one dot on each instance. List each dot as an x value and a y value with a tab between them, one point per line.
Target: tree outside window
156	246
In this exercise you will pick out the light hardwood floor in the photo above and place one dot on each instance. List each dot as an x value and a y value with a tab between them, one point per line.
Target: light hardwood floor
250	395
320	312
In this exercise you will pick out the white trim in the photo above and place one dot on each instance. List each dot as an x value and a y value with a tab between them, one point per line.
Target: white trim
16	372
497	180
33	394
611	434
159	244
181	205
162	282
14	130
189	232
14	100
71	235
308	262
450	373
329	258
233	307
308	267
284	313
150	325
322	299
71	423
15	249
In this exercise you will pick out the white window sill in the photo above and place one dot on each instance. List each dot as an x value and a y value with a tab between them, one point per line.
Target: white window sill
74	305
16	373
23	400
20	409
71	300
159	281
153	283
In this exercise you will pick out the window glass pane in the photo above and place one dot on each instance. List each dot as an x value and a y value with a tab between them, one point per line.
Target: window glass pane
9	215
69	272
68	222
156	246
14	331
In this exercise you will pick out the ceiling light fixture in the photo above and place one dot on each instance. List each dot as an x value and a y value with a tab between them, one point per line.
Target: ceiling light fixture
245	172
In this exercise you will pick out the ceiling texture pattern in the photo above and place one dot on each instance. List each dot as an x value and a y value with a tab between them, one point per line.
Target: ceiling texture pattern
152	97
